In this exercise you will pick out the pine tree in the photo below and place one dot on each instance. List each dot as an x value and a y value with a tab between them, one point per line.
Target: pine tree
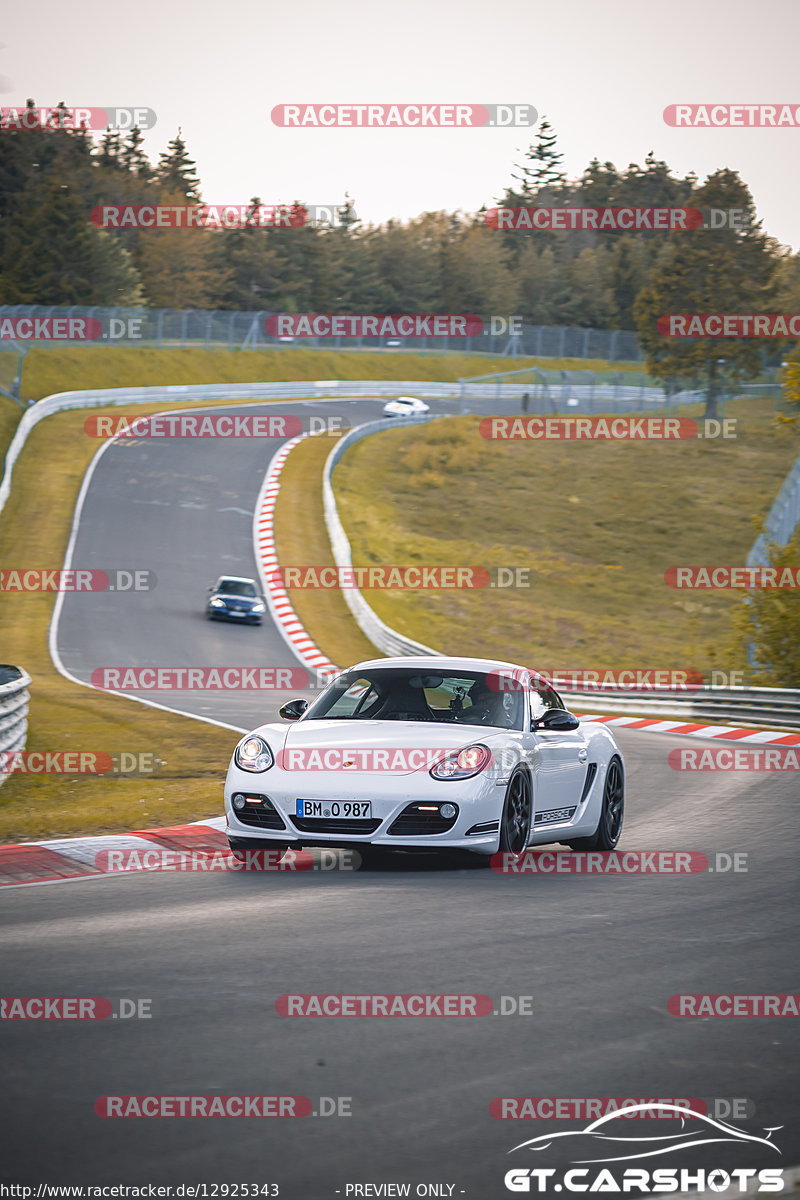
176	172
53	255
110	149
710	271
133	158
541	171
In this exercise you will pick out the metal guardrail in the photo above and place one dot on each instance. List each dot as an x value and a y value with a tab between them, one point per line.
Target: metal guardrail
14	703
200	393
381	635
319	389
760	707
782	519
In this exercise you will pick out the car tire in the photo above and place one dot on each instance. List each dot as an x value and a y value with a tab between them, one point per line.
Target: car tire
609	828
515	822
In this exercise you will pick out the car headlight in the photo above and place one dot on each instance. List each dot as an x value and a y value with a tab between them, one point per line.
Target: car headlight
253	754
217	603
462	764
259	607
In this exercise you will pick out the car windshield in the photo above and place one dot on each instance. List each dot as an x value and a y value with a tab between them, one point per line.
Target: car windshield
408	694
236	587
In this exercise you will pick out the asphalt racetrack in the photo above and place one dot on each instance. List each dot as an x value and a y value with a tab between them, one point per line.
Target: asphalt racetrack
599	956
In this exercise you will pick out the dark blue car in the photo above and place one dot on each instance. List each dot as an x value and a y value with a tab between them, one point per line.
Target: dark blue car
236	599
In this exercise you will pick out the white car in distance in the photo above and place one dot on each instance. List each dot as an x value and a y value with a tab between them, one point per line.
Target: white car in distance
406	406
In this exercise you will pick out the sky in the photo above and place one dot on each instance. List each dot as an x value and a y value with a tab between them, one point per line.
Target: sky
601	73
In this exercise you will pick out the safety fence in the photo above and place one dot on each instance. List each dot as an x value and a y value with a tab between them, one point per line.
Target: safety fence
168	328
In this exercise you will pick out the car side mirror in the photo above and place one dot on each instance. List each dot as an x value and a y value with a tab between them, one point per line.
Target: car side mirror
556	719
293	709
211	588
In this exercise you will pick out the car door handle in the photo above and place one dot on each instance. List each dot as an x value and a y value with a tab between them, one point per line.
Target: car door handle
583	755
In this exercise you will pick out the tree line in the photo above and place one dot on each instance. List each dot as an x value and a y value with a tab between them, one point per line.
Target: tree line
52	177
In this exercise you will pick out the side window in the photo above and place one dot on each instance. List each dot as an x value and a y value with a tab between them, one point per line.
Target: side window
542	698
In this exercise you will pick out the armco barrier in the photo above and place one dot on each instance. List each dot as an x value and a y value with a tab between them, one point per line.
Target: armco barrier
770	708
387	640
202	393
782	519
326	389
14	701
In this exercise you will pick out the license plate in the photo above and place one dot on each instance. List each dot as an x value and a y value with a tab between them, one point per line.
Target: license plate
235	613
334	808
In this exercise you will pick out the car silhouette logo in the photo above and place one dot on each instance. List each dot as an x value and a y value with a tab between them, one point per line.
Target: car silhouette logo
708	1132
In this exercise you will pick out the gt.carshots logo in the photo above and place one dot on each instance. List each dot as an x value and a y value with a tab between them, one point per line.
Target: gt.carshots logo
402	116
373	325
603	1141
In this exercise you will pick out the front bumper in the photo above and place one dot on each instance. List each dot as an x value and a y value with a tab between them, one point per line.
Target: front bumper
476	827
239	618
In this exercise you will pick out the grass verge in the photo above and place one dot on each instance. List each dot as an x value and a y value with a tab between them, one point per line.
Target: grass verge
64	716
598	524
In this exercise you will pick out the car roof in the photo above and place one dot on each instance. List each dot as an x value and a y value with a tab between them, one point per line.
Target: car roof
236	579
434	662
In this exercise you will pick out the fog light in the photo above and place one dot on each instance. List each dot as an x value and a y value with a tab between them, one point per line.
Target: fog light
447	811
239	801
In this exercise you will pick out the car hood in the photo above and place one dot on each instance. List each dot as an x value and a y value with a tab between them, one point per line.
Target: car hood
369	736
229	596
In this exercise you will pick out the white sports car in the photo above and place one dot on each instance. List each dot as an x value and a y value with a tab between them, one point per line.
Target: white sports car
406	406
427	753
